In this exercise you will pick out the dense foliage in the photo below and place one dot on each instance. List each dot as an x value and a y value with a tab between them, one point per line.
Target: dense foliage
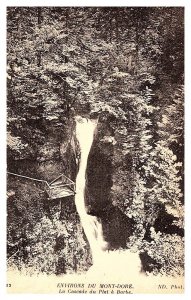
124	65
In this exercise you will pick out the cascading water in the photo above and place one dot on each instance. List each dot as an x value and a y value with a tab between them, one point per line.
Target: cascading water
85	129
102	259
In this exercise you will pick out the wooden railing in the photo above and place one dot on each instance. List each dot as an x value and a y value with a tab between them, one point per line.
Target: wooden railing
31	178
49	187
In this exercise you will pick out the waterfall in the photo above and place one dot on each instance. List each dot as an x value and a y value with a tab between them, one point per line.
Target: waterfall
85	129
121	261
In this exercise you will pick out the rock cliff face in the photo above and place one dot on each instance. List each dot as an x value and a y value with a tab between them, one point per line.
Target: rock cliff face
117	227
29	210
48	159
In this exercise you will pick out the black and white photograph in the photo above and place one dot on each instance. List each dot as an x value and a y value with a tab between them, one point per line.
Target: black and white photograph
95	149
